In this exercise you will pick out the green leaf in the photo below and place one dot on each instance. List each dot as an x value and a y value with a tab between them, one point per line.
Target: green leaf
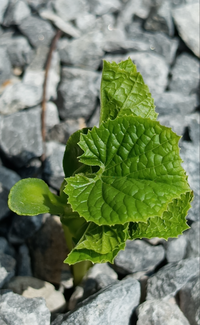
171	224
72	151
31	196
140	172
123	92
99	244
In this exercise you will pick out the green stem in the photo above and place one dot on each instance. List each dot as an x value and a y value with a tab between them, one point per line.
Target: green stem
78	269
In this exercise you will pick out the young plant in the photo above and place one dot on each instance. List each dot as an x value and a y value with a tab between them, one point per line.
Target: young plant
123	180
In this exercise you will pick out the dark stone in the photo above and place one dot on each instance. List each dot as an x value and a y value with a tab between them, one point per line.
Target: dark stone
19	51
4	210
112	305
85	52
171	278
159	312
156	42
190	300
185	75
139	256
8	177
6	247
16	12
23	227
5	66
38	31
77	93
186	18
160	18
18	310
20	135
23	261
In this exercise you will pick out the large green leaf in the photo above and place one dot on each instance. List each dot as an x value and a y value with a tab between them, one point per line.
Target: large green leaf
99	244
123	92
31	196
171	224
140	172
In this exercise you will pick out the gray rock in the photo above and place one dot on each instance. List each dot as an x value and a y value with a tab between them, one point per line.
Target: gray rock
98	269
20	135
103	280
171	278
152	66
36	4
3	7
186	18
160	18
139	256
193	122
190	156
86	22
172	103
26	310
53	169
193	240
185	75
5	67
156	42
159	312
102	7
4	211
7	267
140	8
19	51
39	58
18	96
35	78
6	248
77	93
23	261
51	115
176	249
70	10
23	227
85	52
62	131
190	300
8	177
32	169
112	305
38	31
194	212
175	122
17	11
64	26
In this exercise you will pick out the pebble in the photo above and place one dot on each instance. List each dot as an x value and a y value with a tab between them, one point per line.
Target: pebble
171	278
70	10
5	67
185	83
186	18
53	170
190	300
51	115
116	303
19	51
193	240
20	135
7	268
27	311
159	312
139	256
38	31
176	249
77	93
3	7
17	11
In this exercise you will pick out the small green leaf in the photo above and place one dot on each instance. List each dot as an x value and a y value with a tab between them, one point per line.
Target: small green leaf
171	224
123	92
31	196
72	151
140	172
